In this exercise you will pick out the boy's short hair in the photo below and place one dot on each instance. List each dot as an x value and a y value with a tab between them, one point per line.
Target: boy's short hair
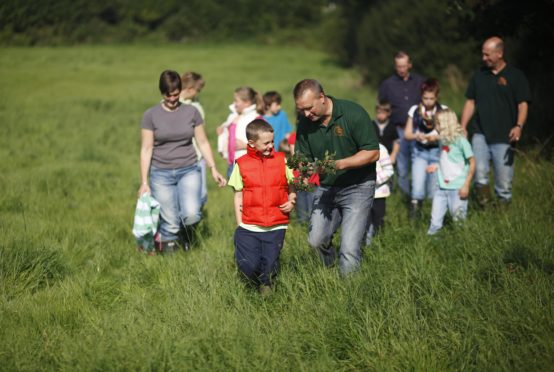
430	85
271	97
255	127
383	106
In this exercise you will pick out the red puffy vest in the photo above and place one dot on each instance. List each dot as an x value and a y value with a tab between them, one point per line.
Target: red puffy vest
265	188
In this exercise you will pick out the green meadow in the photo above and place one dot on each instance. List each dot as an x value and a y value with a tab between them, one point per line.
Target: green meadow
75	294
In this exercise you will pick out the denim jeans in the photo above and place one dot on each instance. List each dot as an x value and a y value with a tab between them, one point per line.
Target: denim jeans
446	200
304	201
178	192
204	185
423	183
347	207
403	160
502	156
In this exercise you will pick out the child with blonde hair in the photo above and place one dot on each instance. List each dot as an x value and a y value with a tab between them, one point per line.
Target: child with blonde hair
192	84
455	171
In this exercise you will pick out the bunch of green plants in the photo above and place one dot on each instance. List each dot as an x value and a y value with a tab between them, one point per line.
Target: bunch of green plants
306	168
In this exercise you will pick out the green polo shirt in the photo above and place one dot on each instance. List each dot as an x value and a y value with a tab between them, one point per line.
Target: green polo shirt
349	131
496	100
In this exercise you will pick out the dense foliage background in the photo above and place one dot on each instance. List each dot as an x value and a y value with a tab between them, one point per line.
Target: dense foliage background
27	22
444	40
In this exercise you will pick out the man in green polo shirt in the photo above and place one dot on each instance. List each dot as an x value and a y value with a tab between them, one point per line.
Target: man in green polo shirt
343	199
498	99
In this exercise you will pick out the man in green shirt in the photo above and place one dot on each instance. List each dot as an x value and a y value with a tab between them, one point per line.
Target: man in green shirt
498	99
345	198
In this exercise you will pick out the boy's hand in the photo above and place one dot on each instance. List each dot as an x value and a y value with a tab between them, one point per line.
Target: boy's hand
432	168
287	207
464	192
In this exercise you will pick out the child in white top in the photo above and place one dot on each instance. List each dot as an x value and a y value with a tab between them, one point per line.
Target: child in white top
231	142
385	171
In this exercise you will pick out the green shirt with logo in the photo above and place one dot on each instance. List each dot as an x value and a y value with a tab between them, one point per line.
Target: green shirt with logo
496	101
349	131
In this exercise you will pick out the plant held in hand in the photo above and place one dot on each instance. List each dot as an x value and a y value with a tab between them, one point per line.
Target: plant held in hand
305	168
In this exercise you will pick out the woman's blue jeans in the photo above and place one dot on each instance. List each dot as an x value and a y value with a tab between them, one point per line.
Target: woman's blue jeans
179	193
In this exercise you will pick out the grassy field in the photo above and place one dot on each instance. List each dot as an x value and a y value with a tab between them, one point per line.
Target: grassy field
75	295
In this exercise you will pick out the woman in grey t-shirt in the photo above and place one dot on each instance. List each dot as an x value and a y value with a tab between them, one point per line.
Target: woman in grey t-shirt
168	159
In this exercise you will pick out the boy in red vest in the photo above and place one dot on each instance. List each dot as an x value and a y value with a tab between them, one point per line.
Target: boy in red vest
264	197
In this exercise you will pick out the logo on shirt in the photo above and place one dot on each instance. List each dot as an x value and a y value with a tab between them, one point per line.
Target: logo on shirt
339	131
502	81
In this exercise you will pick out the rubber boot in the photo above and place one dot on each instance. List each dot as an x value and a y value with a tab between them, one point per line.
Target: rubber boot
168	247
504	204
483	194
415	209
186	236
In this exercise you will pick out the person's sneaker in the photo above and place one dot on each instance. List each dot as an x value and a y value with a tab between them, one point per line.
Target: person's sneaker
169	247
483	195
265	290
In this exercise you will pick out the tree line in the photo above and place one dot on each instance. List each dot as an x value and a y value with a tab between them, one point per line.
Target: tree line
48	22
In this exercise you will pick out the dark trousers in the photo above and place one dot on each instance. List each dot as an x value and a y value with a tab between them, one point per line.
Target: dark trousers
376	219
377	214
257	254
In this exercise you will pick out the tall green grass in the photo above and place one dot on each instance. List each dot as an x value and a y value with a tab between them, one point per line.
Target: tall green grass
74	294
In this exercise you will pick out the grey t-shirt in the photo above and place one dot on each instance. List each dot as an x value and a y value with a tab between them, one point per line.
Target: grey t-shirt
173	133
